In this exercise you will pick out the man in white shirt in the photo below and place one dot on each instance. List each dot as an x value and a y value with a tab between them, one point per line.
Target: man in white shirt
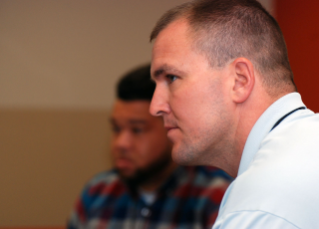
225	89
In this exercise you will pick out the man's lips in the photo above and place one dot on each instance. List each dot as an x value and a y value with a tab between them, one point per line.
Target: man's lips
123	163
168	128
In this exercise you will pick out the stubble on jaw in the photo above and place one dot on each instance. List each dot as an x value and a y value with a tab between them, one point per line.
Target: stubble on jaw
209	146
199	106
149	174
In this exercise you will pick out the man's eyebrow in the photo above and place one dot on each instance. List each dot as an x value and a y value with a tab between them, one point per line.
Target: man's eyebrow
130	121
158	72
137	121
166	68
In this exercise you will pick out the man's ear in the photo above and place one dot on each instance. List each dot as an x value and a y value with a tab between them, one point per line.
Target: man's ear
243	80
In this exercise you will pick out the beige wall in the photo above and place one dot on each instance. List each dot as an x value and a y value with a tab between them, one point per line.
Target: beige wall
59	61
46	156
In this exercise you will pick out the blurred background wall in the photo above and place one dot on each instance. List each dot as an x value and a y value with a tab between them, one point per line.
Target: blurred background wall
59	62
299	21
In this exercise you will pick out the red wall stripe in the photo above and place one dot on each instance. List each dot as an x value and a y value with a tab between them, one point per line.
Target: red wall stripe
299	21
43	227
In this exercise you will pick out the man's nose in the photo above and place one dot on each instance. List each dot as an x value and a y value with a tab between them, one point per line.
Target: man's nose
123	140
159	104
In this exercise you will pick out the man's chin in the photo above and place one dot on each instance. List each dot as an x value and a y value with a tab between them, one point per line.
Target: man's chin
182	157
126	174
131	178
139	176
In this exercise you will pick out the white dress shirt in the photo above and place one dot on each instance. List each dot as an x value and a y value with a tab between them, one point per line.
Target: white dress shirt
278	178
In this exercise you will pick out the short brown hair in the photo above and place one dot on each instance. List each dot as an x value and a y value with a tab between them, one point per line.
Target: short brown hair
227	29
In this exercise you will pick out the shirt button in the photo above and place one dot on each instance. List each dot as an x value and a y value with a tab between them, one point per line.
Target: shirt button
145	212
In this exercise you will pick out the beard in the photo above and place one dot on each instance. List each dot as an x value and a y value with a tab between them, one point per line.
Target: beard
148	174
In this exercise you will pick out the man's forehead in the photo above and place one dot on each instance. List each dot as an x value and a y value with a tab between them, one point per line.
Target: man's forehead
135	111
128	120
178	25
123	107
174	34
171	44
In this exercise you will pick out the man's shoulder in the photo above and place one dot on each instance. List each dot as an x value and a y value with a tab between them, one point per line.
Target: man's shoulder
205	182
253	219
282	177
104	183
209	175
300	123
107	177
294	140
290	148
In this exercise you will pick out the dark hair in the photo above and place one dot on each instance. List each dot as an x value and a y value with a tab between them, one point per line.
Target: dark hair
136	85
227	29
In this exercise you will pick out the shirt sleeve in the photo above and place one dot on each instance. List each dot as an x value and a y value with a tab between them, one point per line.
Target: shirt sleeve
74	222
79	214
253	220
76	218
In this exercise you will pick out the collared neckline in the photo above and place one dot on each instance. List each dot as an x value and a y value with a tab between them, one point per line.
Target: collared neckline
264	125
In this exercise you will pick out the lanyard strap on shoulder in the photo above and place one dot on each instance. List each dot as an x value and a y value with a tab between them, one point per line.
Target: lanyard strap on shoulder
285	116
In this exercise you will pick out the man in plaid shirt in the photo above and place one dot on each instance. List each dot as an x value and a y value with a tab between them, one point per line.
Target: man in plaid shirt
146	189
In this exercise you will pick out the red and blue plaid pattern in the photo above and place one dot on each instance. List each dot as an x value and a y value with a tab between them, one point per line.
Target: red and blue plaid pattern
189	199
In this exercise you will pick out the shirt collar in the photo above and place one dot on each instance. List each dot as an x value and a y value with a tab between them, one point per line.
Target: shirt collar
264	124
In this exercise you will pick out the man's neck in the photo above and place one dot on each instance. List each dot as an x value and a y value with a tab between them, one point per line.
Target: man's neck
249	113
157	181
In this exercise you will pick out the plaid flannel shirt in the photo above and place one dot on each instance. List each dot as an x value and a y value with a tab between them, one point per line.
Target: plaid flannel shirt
190	198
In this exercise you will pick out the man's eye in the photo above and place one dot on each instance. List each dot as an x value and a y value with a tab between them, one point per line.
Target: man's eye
137	130
171	78
116	129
